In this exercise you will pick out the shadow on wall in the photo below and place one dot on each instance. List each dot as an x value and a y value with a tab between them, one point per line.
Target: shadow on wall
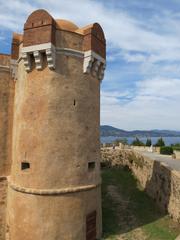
159	185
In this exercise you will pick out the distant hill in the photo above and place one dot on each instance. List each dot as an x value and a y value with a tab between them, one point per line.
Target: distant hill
112	131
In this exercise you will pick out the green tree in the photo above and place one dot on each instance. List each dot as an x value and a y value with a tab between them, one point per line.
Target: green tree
148	142
160	142
137	142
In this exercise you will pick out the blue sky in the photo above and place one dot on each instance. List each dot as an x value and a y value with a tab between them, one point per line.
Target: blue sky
141	88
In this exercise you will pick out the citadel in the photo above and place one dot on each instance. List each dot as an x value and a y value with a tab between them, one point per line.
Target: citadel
50	99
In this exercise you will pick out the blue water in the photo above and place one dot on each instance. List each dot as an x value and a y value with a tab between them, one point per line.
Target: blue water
168	140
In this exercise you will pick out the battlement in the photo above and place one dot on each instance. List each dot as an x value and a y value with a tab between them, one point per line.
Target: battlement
45	37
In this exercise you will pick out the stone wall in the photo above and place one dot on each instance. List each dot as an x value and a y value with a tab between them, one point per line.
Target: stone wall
3	195
6	116
6	113
177	154
145	148
157	179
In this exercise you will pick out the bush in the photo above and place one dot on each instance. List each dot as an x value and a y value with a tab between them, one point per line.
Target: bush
106	164
166	150
176	146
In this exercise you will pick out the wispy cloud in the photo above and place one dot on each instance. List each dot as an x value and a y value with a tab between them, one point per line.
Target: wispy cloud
154	106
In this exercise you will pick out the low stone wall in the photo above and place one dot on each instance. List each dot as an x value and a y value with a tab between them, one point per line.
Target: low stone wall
177	154
157	179
138	148
145	148
3	197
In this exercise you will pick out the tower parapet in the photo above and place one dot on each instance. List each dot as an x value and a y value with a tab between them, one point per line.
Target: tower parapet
40	39
55	178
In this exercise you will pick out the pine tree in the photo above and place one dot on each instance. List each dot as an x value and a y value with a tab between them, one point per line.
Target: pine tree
137	142
160	142
148	142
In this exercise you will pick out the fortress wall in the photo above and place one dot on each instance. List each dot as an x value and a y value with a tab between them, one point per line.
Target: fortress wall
6	118
177	154
6	114
145	148
3	197
157	179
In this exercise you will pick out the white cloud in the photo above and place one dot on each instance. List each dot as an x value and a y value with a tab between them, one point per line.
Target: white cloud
135	57
154	106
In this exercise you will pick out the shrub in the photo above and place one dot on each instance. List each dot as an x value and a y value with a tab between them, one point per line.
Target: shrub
106	164
176	146
166	150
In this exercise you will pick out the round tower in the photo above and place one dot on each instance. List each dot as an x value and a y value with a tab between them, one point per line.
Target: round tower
54	188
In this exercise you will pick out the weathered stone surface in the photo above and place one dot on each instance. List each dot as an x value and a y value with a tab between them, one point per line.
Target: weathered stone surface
3	197
6	115
55	178
6	118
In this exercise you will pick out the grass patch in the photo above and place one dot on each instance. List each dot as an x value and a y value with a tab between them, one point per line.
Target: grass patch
126	209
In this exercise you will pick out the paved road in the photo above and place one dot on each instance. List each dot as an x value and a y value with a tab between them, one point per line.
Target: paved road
172	163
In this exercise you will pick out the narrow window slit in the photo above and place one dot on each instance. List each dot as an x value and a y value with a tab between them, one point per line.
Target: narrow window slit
74	102
25	165
91	165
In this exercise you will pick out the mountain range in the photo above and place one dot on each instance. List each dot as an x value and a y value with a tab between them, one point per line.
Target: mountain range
107	130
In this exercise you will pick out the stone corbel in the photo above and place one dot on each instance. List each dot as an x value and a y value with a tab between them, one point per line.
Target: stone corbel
51	58
88	61
95	68
27	61
94	64
36	51
101	71
38	59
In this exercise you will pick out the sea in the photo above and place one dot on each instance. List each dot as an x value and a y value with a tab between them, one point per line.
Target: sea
168	140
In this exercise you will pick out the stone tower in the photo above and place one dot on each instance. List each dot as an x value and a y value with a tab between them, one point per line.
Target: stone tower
54	189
